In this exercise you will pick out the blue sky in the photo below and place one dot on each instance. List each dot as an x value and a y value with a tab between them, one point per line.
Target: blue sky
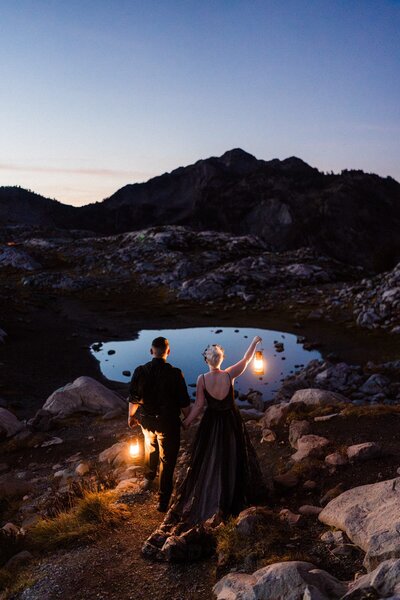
96	94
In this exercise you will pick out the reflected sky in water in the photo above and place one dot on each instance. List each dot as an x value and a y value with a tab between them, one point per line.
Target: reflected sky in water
188	344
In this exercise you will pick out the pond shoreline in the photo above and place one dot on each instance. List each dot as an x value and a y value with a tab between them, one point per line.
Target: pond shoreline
49	336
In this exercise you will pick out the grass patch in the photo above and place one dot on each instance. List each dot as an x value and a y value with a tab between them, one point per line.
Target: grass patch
11	584
375	410
93	514
266	543
301	411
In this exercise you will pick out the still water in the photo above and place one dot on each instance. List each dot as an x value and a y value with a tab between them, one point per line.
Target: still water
119	359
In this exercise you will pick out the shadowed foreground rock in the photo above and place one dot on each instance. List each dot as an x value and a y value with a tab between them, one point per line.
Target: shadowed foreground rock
293	580
370	516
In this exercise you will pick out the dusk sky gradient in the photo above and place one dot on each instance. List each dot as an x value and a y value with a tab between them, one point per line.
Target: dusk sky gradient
98	94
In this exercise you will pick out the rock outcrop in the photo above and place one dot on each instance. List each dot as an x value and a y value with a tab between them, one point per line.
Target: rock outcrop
370	516
9	424
83	395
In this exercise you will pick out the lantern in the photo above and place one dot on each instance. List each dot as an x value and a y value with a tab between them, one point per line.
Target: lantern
134	448
258	363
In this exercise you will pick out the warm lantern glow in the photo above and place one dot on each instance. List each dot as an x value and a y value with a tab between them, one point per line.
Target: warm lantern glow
258	363
134	448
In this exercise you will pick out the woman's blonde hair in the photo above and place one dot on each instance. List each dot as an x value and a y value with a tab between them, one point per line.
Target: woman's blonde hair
214	354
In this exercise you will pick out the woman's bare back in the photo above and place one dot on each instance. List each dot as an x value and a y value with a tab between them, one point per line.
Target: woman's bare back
217	384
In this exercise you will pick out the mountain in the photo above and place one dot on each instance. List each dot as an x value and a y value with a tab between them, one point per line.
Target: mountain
354	216
23	207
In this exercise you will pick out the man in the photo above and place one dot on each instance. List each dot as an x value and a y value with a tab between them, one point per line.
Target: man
160	391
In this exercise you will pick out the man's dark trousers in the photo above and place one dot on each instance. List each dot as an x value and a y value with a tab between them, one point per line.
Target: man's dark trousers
162	441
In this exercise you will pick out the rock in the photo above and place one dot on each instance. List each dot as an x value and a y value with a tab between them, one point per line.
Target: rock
336	459
375	384
18	560
365	451
275	415
333	538
383	582
191	545
309	484
251	414
369	515
251	518
9	424
290	580
116	455
82	469
15	258
296	430
3	336
317	397
309	510
268	436
332	493
310	445
83	395
11	529
116	413
128	486
289	517
10	487
55	441
287	480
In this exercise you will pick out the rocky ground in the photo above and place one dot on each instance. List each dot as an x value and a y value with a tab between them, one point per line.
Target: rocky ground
333	427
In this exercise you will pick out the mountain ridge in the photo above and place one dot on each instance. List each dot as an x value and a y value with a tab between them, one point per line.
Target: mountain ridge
352	216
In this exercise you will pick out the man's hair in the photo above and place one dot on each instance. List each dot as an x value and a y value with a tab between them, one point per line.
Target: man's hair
160	345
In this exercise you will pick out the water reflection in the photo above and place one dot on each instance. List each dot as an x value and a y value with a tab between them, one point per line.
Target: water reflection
283	355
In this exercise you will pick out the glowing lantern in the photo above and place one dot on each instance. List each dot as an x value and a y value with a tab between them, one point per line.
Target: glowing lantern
134	448
258	363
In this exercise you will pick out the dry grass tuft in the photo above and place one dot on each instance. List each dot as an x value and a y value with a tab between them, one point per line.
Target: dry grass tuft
374	410
11	584
93	514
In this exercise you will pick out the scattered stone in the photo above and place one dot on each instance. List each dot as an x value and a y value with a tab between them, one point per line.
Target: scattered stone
268	436
336	459
310	445
289	517
82	469
308	510
287	480
333	538
116	455
297	429
309	485
365	451
9	424
53	442
250	519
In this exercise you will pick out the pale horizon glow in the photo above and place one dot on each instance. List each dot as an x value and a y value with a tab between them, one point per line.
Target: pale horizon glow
97	95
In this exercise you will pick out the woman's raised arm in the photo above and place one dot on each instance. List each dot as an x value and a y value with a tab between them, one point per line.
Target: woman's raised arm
238	368
198	405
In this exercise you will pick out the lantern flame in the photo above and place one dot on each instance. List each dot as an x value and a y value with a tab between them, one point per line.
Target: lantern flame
134	449
258	364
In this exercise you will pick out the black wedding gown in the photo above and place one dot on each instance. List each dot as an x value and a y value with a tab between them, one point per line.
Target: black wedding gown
223	476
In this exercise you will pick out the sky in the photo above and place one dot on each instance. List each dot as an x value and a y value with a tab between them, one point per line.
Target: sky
98	94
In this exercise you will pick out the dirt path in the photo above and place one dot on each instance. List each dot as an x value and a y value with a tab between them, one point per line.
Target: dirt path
112	568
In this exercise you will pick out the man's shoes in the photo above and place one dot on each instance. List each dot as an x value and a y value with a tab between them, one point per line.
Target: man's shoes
146	485
162	506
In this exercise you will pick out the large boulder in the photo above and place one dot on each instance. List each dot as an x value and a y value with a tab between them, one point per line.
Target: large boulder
292	580
317	397
83	395
370	516
9	424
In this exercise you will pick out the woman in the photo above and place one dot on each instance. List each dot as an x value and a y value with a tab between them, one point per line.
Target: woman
223	476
